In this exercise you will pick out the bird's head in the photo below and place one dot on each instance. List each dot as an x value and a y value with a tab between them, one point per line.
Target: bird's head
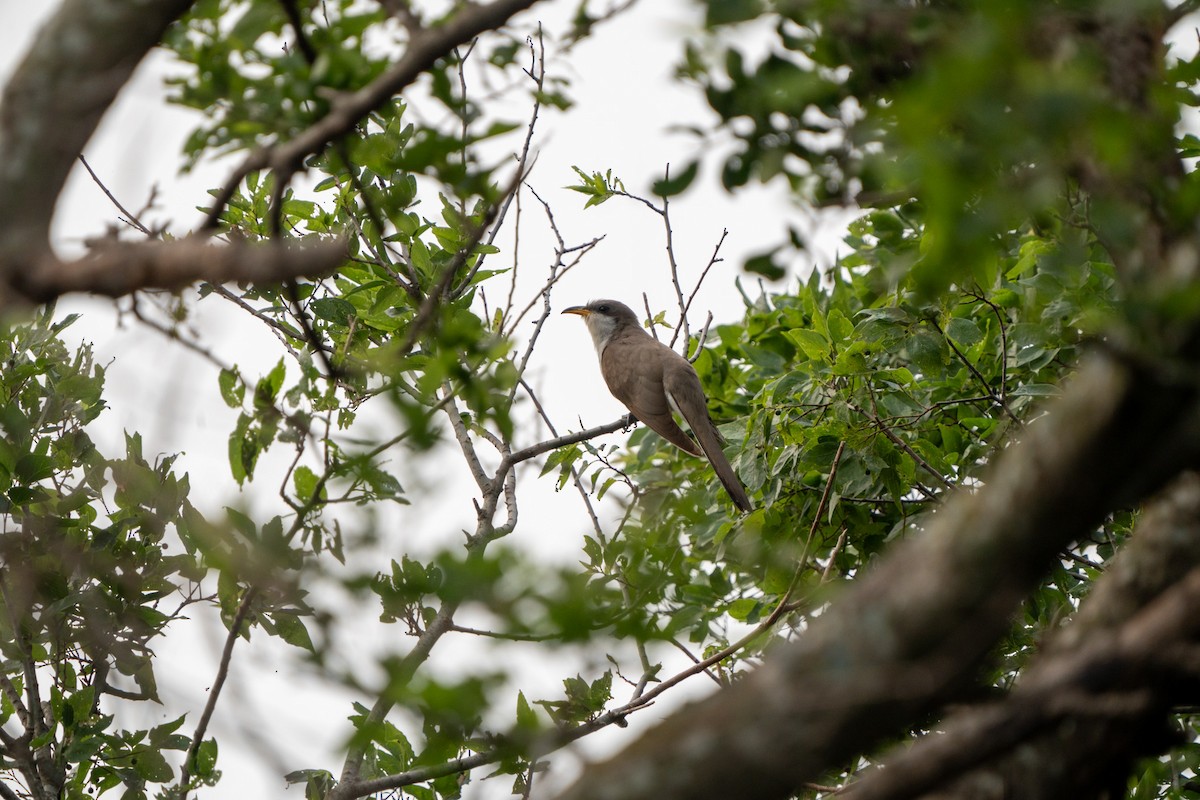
603	317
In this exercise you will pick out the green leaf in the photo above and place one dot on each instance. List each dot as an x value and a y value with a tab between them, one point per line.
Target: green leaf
813	344
233	390
290	628
304	481
243	452
964	331
205	762
527	718
728	12
268	388
676	184
151	765
33	467
742	608
764	264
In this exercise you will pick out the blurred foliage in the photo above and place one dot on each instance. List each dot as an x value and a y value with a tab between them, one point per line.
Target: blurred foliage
1008	172
90	574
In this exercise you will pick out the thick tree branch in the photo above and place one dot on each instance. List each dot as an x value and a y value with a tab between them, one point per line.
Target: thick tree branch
119	268
52	105
1109	677
1100	658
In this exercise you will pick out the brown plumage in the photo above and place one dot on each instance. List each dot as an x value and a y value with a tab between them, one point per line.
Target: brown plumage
652	380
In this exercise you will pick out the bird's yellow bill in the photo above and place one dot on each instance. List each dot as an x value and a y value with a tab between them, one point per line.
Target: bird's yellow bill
582	311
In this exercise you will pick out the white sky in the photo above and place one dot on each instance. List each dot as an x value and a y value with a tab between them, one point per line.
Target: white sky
627	102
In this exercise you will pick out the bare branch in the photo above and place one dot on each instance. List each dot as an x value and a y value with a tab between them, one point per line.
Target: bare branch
131	219
536	73
214	694
561	441
713	260
401	10
119	268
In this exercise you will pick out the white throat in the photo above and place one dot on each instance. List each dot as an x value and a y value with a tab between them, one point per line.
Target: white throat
601	327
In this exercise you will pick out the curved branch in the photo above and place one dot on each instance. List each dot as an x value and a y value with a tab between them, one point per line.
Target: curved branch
1117	646
346	111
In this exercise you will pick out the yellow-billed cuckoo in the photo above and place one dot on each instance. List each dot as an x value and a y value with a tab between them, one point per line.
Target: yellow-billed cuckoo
652	380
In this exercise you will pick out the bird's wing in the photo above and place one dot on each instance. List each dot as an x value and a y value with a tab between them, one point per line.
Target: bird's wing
682	387
640	386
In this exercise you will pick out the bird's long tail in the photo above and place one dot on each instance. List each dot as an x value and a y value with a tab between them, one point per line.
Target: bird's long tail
707	436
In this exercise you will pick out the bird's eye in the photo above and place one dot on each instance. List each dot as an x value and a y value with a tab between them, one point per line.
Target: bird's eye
604	309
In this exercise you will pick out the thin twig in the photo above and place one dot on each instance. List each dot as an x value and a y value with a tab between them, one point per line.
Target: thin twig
292	12
674	266
713	260
974	371
703	338
214	694
130	219
650	323
576	478
903	445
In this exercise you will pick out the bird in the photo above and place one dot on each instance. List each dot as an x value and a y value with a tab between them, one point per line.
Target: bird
652	380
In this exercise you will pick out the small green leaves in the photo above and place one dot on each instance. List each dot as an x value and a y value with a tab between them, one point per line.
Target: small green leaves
583	701
563	459
317	782
268	388
598	187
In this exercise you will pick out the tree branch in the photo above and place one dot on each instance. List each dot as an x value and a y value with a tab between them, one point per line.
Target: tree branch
1088	657
1113	674
119	268
214	694
424	49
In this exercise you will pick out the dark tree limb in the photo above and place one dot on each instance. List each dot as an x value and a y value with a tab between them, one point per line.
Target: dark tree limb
1098	687
118	268
52	104
50	108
